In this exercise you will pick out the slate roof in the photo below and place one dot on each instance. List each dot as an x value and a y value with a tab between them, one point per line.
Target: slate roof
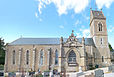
46	41
98	14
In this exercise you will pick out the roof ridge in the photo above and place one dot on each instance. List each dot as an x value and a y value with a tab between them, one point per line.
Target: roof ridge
14	40
37	37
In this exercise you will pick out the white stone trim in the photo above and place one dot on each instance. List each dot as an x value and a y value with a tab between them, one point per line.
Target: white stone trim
6	60
48	57
20	52
33	64
6	55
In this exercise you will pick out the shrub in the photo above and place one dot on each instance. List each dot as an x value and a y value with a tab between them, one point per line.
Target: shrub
40	75
1	67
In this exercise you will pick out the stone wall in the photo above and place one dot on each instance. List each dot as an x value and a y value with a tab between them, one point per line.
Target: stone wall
33	62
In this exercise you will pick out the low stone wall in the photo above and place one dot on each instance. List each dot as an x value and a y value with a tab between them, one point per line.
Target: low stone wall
90	73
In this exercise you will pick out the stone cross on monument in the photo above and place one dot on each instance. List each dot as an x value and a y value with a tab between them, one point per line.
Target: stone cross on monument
72	34
72	31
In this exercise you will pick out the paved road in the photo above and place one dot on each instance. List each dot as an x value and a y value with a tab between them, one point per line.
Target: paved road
109	75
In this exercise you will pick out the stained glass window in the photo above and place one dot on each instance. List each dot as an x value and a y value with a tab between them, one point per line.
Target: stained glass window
41	57
72	57
14	57
27	57
56	57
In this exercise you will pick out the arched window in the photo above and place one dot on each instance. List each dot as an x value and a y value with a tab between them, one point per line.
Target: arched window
27	57
41	57
56	57
72	57
100	26
14	57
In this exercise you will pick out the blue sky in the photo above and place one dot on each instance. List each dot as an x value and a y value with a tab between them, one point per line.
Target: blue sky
51	18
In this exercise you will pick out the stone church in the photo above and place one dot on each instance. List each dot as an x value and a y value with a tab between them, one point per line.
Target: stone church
61	54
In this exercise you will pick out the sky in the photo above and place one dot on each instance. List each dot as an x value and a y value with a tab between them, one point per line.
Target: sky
51	18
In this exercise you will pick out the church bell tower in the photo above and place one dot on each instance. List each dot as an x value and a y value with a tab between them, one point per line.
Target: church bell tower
98	31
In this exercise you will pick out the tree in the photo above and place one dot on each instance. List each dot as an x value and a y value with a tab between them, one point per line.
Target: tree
110	47
2	51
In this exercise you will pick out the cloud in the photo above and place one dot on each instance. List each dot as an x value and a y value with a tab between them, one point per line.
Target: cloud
85	16
61	26
85	32
106	3
111	29
77	22
78	35
64	5
36	14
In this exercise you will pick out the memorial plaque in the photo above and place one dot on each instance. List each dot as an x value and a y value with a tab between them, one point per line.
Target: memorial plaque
99	73
80	74
111	68
11	74
46	74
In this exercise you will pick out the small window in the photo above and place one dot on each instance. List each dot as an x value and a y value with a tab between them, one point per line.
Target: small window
41	57
101	41
14	57
27	57
56	57
100	26
94	56
86	56
102	59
